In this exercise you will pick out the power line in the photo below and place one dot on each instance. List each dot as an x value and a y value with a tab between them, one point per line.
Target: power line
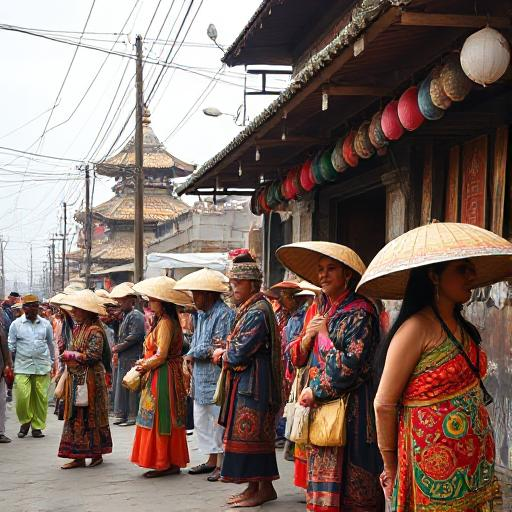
89	87
41	155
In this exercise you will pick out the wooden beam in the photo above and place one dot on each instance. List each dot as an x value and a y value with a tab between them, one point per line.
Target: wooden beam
451	209
499	179
289	141
426	200
423	19
355	90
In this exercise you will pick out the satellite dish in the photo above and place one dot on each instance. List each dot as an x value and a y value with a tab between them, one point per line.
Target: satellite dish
212	32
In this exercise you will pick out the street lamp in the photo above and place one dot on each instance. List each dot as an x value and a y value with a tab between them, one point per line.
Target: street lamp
215	112
211	31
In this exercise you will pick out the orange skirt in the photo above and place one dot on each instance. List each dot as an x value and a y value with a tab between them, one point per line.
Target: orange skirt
154	451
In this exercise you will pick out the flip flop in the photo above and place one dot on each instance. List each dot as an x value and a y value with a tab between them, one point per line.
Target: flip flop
96	462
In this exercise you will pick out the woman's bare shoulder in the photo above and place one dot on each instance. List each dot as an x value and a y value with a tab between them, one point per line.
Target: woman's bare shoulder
420	327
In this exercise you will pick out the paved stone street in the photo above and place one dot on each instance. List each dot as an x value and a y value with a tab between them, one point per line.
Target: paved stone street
31	480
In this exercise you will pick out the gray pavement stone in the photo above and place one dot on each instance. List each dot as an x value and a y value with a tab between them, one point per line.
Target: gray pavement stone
31	480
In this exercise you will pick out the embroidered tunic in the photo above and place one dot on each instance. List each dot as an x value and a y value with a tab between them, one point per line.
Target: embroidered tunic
343	478
160	436
252	363
86	432
446	446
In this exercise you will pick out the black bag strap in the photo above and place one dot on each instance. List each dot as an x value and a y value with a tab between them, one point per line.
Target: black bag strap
475	369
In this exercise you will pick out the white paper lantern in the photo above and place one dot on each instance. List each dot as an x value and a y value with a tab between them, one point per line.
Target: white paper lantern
485	56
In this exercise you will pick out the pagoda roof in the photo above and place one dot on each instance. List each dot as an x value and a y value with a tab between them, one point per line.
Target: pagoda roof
156	157
159	206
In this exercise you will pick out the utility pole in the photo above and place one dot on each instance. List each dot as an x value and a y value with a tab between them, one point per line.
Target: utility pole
50	271
88	229
139	166
63	276
31	287
52	260
2	276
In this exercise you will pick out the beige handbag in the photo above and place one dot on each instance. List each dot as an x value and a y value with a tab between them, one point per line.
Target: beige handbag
300	428
289	408
82	393
131	380
59	388
220	390
328	425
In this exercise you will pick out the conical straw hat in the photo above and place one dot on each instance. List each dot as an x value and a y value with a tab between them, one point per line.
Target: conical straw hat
86	300
204	280
302	258
104	297
274	290
388	273
122	290
308	289
58	299
162	288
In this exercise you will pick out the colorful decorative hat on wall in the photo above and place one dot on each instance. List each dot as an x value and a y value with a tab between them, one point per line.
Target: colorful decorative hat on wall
390	122
409	113
362	144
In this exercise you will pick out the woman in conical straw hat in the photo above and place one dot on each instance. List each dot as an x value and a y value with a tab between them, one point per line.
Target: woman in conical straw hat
160	438
337	346
213	324
86	432
433	429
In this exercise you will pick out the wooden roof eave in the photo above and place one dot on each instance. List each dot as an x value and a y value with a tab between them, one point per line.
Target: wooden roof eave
391	16
394	16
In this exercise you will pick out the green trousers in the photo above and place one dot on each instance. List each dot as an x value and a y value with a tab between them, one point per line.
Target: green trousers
31	392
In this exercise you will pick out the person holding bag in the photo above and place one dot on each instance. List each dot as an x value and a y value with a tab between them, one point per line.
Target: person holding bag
337	346
160	442
86	432
433	428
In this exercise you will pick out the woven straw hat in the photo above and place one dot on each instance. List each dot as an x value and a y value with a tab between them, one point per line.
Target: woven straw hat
122	290
302	258
58	299
308	289
86	300
290	286
204	280
388	273
104	297
162	288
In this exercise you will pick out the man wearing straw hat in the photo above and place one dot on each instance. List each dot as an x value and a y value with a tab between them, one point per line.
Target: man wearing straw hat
253	393
31	337
129	351
212	327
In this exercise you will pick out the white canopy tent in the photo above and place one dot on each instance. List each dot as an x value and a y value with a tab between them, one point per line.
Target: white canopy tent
190	261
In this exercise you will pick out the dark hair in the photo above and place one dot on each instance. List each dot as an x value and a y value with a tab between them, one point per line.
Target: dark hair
14	294
244	258
170	310
419	293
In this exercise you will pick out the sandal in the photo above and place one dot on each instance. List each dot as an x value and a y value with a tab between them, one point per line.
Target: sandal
77	463
215	476
96	462
202	469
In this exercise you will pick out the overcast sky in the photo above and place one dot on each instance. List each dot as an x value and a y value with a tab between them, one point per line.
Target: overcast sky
33	70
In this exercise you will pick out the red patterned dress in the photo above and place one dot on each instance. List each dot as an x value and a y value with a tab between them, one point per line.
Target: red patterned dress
446	444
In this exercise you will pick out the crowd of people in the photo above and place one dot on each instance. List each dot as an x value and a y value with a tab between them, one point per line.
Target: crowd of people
371	416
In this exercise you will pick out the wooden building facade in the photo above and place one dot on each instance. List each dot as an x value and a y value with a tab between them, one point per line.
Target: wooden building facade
349	59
